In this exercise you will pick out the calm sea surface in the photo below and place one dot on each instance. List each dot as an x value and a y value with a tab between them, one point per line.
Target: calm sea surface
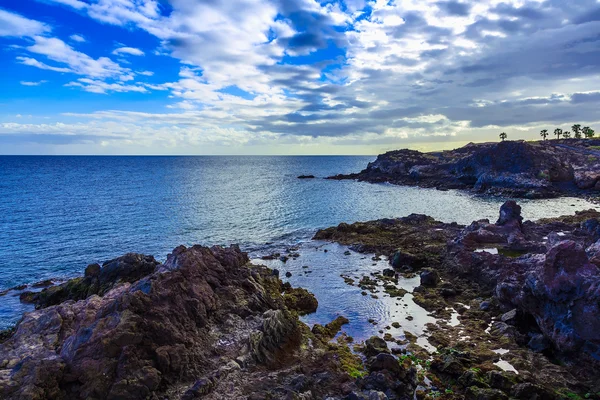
58	214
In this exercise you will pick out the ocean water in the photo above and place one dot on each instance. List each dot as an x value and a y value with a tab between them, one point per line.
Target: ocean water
59	214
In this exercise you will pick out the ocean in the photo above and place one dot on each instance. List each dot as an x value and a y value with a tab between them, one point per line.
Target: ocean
60	213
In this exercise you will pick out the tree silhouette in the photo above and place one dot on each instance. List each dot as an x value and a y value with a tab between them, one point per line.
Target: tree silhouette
558	132
544	133
588	132
576	131
567	134
503	136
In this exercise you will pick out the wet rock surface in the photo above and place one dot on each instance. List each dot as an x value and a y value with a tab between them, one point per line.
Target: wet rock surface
541	169
513	314
520	298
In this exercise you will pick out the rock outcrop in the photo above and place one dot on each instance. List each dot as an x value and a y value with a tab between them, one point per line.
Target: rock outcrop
514	295
561	291
512	168
97	280
177	331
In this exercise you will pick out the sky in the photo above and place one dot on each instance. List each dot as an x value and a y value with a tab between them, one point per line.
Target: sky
291	76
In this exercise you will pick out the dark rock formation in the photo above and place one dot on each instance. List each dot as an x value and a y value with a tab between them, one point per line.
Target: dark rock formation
561	290
510	212
512	168
306	177
429	278
300	300
526	293
97	280
190	327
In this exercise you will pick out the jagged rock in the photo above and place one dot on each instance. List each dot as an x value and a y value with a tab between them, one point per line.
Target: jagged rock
593	253
586	179
561	290
429	278
92	270
385	361
405	259
300	300
142	336
97	280
499	380
509	168
390	273
510	212
329	331
279	334
375	345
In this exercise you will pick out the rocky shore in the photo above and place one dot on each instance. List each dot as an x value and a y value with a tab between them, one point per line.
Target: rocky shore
539	169
517	305
526	295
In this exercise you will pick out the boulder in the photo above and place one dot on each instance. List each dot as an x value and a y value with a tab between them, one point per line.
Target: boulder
403	258
429	278
510	212
300	300
374	346
387	362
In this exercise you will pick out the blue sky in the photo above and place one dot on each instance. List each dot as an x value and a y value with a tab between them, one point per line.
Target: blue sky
291	76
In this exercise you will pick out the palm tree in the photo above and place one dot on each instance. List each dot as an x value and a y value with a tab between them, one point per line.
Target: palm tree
558	132
577	131
567	134
503	136
544	133
588	132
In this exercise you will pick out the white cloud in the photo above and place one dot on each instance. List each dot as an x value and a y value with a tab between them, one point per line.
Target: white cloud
410	71
38	83
128	50
35	63
77	38
77	4
15	25
98	86
72	61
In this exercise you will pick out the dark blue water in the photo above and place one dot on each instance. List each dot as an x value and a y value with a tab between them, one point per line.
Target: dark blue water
58	214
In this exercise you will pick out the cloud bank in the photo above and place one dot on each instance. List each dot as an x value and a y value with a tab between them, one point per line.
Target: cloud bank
344	76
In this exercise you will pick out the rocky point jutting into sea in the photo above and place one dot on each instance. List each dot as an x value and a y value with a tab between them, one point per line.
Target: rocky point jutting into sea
516	305
538	169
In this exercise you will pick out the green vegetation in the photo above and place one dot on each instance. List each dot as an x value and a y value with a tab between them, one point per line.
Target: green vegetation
588	132
558	133
577	132
503	136
349	362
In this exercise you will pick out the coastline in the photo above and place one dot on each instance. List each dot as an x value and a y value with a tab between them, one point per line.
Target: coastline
513	169
481	341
